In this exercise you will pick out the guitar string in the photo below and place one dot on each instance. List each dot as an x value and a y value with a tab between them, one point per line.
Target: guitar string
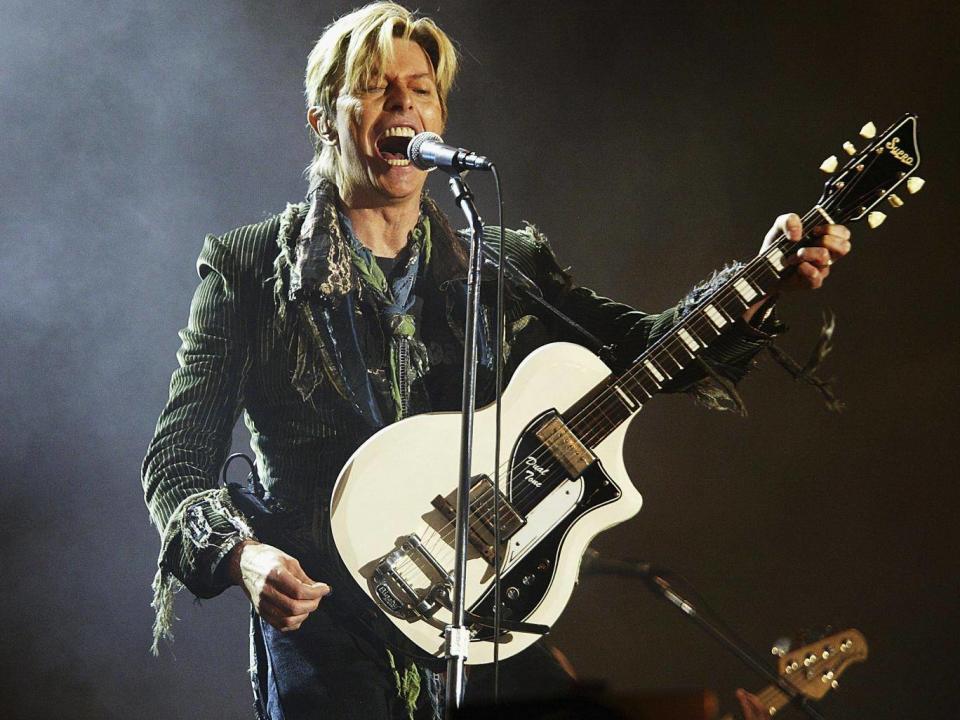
439	538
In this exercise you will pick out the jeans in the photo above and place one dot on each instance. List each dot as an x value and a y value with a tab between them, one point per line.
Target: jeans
323	670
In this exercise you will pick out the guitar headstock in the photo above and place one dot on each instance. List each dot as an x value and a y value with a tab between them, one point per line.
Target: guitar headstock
814	669
870	175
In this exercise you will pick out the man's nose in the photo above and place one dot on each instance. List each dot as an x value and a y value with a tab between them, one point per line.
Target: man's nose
399	98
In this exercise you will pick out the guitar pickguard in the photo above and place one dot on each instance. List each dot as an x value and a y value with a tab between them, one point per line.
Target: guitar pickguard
524	586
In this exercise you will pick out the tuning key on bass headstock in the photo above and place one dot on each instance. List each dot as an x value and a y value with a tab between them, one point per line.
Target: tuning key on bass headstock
849	149
894	200
914	184
875	219
868	131
829	165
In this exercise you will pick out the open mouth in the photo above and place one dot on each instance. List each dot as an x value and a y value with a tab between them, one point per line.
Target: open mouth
392	145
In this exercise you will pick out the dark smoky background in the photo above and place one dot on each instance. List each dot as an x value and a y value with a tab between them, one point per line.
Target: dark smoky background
652	142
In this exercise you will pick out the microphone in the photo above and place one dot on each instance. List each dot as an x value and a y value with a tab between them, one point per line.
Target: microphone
427	151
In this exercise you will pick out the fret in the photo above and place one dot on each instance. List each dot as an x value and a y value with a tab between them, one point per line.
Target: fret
666	349
678	344
698	326
614	412
634	381
649	392
769	276
600	412
659	366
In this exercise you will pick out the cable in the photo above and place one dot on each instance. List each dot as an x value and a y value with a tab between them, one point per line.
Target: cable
498	391
230	459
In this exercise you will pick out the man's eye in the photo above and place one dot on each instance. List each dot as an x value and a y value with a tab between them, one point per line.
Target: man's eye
423	91
376	88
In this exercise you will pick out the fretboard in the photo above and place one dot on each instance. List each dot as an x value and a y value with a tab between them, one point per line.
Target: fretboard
616	399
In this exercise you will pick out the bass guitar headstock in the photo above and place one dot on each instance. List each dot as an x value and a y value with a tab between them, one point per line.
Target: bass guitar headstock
815	668
871	175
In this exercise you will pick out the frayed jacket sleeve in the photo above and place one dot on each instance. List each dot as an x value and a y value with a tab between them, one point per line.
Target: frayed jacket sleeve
197	522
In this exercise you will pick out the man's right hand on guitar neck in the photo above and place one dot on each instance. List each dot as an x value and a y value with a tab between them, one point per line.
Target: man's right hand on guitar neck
278	588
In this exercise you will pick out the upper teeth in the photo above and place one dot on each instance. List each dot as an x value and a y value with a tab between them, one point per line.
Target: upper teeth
399	131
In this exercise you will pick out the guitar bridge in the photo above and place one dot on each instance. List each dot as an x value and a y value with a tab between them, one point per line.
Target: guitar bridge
399	574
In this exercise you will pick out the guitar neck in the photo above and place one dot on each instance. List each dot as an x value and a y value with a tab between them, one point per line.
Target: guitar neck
615	401
771	698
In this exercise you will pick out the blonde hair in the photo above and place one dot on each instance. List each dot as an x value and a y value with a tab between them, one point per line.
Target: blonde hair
352	51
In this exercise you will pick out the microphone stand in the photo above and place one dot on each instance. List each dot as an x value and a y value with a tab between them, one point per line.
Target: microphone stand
456	634
661	586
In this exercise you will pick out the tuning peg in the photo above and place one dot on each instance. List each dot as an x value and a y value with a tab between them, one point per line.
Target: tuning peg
781	646
914	184
875	219
868	131
829	165
894	201
849	149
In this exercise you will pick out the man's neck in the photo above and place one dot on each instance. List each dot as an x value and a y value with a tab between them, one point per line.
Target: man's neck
384	230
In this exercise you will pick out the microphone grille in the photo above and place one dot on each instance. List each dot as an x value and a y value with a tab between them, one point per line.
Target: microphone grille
414	154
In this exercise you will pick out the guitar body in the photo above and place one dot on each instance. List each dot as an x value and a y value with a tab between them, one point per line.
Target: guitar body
384	493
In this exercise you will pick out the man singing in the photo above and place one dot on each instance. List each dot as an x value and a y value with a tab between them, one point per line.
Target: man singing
329	321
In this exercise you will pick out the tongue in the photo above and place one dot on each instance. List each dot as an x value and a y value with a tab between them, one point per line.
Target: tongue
394	148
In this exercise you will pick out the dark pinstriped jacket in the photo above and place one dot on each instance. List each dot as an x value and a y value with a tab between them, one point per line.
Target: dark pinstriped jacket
241	351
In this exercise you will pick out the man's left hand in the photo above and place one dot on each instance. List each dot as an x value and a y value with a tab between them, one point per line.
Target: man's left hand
832	242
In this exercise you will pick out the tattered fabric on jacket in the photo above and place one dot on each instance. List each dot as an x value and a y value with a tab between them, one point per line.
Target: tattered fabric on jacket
323	278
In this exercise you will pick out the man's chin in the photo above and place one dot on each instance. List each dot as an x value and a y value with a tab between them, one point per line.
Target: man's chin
401	182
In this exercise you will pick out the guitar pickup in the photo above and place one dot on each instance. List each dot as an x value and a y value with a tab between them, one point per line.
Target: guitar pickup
481	533
566	447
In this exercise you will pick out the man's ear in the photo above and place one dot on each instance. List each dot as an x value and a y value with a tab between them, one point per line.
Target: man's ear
322	126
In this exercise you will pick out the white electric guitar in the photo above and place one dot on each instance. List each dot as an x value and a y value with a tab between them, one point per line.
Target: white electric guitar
562	478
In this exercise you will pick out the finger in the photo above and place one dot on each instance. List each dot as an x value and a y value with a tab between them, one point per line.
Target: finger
751	705
788	224
817	256
285	605
293	587
810	276
286	623
837	246
841	231
293	565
